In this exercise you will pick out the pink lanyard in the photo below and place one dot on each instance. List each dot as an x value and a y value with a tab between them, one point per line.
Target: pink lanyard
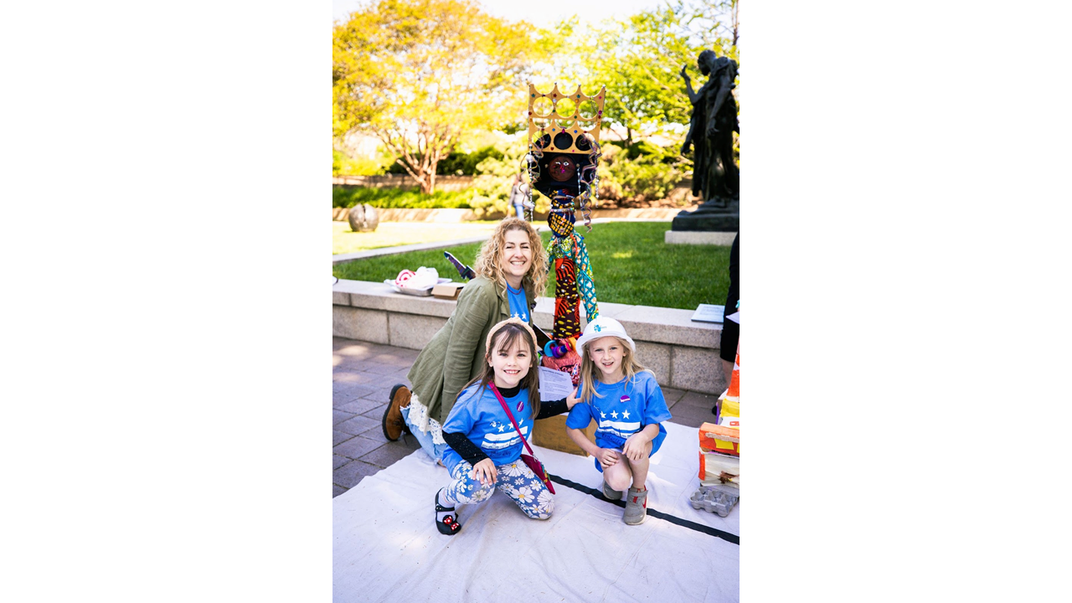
509	414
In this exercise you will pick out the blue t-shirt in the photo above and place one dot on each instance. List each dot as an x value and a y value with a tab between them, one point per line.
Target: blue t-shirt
519	304
482	419
624	409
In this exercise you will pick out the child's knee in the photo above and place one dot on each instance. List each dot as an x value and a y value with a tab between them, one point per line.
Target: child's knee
642	463
482	492
541	513
471	491
618	478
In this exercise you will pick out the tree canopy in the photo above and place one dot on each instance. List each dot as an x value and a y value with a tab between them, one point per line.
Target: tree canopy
639	59
418	74
422	74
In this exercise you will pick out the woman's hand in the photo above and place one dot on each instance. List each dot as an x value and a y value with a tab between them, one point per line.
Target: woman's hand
636	447
608	457
683	74
486	472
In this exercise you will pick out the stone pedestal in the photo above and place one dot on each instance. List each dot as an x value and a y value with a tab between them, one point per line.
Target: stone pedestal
699	237
716	215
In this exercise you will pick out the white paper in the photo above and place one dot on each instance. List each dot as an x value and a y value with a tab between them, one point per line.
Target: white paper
735	317
554	384
708	313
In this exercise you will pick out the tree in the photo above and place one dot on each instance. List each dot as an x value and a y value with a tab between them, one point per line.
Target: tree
419	74
639	59
711	24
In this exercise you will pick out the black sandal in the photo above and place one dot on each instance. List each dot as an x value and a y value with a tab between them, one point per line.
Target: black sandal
449	525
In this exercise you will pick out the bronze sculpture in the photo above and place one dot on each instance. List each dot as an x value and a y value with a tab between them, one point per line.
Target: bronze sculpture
715	179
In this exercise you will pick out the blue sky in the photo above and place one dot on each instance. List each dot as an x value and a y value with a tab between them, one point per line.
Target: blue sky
541	12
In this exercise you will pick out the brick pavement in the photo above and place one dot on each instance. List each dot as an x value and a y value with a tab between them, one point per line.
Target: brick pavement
362	377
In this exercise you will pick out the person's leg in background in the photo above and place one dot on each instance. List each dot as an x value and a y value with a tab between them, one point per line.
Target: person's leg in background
730	330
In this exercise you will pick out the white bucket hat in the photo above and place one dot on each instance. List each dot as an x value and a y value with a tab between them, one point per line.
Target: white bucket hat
603	326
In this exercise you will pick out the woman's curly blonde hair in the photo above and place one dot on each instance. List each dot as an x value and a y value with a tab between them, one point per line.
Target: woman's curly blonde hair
488	259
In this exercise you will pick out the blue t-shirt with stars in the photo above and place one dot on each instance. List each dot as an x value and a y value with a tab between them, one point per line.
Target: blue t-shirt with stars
482	419
623	409
519	304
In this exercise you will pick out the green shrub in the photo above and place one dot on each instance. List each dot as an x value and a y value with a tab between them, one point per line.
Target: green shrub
642	171
345	165
456	163
492	186
465	164
349	196
491	196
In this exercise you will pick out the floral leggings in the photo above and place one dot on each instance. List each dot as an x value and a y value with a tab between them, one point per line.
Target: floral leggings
515	479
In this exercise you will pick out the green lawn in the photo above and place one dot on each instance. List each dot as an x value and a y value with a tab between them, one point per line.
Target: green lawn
630	264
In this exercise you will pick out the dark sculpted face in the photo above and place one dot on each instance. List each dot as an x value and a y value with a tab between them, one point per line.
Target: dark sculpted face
706	62
562	169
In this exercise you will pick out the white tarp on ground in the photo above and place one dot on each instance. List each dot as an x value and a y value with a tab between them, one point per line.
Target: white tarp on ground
387	547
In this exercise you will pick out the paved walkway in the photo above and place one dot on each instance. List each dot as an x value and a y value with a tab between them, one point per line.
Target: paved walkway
362	377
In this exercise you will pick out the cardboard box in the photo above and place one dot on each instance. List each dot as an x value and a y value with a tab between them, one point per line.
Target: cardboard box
725	438
729	408
448	290
718	468
551	433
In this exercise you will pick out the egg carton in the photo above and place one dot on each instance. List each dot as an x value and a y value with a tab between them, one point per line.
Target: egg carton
715	499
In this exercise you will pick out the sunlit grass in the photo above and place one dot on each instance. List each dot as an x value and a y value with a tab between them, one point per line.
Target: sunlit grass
390	234
630	264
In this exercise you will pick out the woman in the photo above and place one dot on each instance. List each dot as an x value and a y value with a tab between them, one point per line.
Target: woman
511	270
517	196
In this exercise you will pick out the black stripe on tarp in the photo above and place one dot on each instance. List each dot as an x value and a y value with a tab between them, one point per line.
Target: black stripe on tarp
699	527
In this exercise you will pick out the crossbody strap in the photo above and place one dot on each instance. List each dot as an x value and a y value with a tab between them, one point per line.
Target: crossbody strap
506	407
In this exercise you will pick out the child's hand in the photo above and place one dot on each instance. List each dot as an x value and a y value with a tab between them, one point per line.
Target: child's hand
486	472
571	400
636	447
608	457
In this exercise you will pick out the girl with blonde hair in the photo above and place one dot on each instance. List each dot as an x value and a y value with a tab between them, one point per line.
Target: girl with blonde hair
626	403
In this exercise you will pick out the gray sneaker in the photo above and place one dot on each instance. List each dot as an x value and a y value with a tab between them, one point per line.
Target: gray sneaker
610	493
636	506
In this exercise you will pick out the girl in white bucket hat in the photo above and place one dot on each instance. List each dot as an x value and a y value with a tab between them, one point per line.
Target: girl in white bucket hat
625	401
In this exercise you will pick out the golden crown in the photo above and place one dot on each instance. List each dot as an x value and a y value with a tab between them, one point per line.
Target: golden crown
561	119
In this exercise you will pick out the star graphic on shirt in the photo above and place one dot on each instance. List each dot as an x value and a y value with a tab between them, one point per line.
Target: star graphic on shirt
625	414
514	315
602	415
614	414
501	427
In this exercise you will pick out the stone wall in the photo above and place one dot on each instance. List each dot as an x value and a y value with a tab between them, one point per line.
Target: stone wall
682	354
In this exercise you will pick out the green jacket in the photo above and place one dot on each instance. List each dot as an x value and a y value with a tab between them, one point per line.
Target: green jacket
456	353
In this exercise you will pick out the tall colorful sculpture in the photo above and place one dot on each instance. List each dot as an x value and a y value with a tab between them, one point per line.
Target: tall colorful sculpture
561	163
